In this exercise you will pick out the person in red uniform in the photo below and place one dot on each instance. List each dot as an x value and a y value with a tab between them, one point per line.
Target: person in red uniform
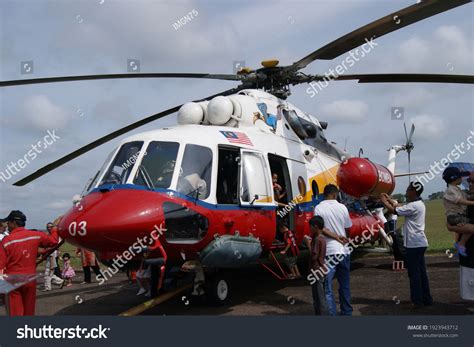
18	252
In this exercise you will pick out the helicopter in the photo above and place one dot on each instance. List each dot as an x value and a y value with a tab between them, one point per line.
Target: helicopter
208	182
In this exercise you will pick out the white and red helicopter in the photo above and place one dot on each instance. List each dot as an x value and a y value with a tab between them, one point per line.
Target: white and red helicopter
208	180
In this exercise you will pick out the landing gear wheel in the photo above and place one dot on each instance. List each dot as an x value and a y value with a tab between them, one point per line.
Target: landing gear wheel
217	290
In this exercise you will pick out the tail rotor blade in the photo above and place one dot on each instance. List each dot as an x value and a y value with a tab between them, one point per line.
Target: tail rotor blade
411	132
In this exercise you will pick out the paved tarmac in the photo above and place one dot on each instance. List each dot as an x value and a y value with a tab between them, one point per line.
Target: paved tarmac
376	290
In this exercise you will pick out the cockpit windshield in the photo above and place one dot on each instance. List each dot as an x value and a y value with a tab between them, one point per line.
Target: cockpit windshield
157	166
121	167
92	182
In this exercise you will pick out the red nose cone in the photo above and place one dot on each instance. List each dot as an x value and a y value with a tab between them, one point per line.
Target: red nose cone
113	219
360	177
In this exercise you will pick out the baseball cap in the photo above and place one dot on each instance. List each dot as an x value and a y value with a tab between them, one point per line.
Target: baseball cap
453	173
15	215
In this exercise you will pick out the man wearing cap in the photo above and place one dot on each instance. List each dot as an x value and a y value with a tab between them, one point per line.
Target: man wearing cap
18	252
455	204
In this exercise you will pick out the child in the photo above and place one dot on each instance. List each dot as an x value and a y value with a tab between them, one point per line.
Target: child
318	265
290	241
278	190
68	271
455	203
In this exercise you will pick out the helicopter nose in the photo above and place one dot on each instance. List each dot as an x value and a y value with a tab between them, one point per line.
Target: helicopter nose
113	219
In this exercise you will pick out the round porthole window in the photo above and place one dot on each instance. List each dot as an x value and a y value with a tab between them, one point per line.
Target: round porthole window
314	189
301	186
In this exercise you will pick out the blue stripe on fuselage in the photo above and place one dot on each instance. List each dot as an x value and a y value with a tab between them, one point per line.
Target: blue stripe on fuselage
111	187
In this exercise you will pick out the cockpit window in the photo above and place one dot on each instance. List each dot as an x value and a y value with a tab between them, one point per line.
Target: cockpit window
315	138
158	164
122	164
93	181
195	173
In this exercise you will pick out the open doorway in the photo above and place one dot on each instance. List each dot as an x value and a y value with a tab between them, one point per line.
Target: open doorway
279	167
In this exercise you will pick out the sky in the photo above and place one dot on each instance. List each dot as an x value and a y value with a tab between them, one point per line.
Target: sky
99	36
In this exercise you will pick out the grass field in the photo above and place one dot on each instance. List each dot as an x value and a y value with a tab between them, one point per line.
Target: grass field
439	238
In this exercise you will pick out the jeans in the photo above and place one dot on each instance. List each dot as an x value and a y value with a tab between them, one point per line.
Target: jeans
340	270
319	298
155	268
87	272
419	286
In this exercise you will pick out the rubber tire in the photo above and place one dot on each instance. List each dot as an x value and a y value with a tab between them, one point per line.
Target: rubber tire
217	290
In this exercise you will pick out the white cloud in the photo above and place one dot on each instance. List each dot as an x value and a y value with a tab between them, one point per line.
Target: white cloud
41	114
447	51
413	53
429	127
351	111
61	205
413	97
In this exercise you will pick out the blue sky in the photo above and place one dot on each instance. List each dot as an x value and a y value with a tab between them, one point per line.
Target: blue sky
94	36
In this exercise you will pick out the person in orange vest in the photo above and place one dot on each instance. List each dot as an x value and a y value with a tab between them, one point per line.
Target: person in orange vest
18	253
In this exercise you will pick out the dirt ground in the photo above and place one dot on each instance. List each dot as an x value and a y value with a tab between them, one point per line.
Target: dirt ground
376	290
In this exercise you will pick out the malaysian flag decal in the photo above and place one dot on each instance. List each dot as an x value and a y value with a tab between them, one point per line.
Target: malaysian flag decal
237	137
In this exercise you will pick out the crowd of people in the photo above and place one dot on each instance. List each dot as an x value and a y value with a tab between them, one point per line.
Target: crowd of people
330	233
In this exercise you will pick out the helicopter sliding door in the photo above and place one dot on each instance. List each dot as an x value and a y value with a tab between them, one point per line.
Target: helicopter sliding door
255	179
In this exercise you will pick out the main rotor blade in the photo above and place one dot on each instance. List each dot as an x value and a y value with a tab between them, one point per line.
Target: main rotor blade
398	78
226	77
106	138
378	28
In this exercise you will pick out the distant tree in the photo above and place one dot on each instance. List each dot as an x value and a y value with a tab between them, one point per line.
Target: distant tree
399	197
435	196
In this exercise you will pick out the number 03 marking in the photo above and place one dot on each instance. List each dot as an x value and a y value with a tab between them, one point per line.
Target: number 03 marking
78	228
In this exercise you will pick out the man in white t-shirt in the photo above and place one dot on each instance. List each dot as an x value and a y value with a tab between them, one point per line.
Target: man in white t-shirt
336	232
414	241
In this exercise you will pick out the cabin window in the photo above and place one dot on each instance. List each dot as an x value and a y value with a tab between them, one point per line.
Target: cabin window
195	173
158	164
123	163
227	175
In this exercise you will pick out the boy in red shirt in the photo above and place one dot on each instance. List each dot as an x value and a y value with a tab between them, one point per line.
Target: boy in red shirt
291	246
